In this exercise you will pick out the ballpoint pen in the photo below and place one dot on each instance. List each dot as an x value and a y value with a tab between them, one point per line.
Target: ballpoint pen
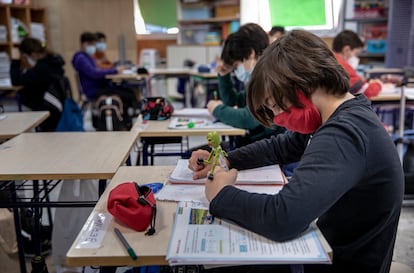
124	242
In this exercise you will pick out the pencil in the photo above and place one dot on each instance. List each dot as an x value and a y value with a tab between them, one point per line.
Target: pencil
124	242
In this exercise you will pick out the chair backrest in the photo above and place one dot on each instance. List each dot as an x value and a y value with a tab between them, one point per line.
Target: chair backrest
82	99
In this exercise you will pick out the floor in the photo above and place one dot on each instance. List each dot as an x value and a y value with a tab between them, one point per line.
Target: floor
404	246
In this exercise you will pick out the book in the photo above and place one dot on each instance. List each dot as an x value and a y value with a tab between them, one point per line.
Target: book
264	175
195	193
199	238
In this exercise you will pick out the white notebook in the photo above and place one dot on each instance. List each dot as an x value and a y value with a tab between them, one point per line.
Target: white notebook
264	175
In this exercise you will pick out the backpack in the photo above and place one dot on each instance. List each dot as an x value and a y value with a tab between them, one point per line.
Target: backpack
156	108
108	114
408	166
55	95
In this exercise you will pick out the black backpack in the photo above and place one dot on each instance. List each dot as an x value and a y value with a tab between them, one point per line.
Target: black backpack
108	114
55	95
408	166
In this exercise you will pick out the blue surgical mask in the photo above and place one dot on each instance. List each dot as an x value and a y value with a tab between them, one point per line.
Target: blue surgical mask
90	49
100	46
31	61
242	74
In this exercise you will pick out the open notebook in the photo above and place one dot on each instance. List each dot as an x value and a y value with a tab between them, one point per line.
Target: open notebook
263	175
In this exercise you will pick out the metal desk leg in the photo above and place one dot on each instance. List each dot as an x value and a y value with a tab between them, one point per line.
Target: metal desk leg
401	126
36	231
102	186
49	209
18	229
145	154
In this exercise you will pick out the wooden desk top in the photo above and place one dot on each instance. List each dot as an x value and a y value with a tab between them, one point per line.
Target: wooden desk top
151	250
129	76
15	123
10	88
75	155
386	97
160	129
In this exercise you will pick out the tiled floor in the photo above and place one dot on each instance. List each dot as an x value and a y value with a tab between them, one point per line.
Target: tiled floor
404	247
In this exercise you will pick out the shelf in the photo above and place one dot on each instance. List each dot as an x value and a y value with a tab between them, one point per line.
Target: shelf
371	55
13	6
367	20
209	21
26	14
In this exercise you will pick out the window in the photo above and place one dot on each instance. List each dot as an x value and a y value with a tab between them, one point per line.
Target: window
318	16
155	16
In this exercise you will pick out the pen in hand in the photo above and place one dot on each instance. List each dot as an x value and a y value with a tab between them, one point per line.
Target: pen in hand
200	161
124	242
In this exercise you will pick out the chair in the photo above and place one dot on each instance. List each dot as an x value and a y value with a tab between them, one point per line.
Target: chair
83	100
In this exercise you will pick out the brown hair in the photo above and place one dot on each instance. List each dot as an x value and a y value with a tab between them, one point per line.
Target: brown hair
298	61
346	38
31	45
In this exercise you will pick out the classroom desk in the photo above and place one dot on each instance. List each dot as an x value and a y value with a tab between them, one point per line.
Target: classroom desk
166	73
57	156
16	123
151	250
153	129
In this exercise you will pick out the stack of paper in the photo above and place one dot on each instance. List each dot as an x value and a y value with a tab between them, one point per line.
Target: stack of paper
193	112
38	31
199	238
264	175
196	193
4	69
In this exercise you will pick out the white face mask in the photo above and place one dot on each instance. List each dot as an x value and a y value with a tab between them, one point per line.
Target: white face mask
90	49
353	62
31	61
100	46
242	74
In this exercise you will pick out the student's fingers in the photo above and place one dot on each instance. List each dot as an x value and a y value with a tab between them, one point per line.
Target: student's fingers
194	161
228	176
201	173
221	179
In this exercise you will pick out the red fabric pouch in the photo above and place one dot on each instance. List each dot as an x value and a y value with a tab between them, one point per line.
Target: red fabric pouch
134	206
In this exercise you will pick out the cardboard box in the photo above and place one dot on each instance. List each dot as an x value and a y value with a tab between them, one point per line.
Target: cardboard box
227	11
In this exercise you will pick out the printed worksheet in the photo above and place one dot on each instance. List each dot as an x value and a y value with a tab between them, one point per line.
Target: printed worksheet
199	238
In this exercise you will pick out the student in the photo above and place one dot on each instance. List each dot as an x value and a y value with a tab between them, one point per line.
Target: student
347	46
35	70
349	177
275	33
240	53
91	77
100	56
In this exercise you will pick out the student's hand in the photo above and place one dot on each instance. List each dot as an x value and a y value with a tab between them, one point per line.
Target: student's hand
200	170
222	68
221	179
376	80
212	104
120	69
24	63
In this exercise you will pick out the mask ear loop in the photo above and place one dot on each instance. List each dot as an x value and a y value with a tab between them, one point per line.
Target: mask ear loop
144	201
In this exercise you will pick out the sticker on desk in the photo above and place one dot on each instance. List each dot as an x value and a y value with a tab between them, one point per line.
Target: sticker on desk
94	230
